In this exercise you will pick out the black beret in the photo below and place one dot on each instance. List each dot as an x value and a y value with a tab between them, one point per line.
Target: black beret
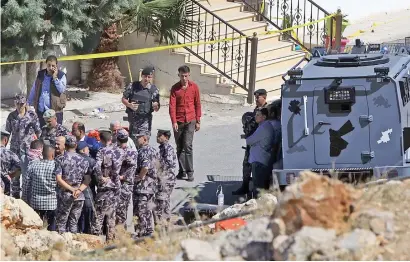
165	132
147	71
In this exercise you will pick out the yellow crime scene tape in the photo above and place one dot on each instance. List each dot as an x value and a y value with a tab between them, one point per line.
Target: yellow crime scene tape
161	48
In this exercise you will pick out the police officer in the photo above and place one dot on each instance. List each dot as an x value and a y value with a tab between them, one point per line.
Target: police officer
166	176
23	125
250	127
107	169
52	129
128	158
10	163
145	185
84	223
73	181
141	98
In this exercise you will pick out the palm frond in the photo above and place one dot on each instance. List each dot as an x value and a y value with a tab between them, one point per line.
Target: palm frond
163	18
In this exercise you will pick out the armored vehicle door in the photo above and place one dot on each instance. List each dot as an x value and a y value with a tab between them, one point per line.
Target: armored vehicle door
341	123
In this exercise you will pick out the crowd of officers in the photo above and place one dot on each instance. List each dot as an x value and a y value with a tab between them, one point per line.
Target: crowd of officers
75	181
80	183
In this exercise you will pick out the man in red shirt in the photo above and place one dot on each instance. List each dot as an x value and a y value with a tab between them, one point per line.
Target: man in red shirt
185	113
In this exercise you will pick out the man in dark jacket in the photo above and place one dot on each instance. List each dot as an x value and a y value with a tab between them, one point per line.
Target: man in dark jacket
48	91
260	100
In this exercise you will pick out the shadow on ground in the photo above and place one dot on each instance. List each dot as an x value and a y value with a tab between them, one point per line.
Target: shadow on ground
204	197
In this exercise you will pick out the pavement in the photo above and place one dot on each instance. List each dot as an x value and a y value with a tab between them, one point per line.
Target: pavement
388	26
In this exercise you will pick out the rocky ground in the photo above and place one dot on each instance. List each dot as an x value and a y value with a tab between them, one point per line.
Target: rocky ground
316	218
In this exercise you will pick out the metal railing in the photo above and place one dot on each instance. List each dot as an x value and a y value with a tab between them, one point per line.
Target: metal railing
229	58
283	14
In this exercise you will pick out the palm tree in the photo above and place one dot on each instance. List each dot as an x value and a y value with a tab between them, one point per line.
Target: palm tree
163	18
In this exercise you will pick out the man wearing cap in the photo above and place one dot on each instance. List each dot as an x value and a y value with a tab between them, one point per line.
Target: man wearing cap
85	220
107	169
166	176
141	98
260	101
128	158
24	127
52	129
73	180
10	163
48	91
185	112
145	185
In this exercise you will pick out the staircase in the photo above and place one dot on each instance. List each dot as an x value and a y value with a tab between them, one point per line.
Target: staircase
228	63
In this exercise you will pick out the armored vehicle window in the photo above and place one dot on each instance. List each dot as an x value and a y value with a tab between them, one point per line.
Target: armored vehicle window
340	99
404	90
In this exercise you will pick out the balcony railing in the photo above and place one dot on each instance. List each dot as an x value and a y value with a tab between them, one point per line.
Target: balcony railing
282	14
228	58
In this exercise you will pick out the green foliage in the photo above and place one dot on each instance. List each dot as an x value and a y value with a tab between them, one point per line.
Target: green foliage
29	24
22	28
164	18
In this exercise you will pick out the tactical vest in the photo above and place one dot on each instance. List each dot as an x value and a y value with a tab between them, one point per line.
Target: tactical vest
57	101
143	98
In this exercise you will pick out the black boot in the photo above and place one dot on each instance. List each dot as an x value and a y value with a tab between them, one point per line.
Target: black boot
181	176
243	190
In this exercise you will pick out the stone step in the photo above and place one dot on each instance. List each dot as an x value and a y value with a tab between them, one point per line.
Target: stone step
205	34
263	67
222	9
231	17
207	50
265	53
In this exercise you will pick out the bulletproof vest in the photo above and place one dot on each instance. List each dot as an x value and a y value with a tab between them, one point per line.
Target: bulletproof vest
143	98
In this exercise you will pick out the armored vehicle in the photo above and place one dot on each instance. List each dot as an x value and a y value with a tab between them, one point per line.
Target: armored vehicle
348	113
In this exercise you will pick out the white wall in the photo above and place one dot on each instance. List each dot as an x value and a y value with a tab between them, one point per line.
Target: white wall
356	9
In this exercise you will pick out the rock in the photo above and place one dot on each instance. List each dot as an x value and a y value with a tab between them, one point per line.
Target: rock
237	208
35	241
92	241
17	214
379	222
316	201
281	245
360	243
9	251
278	227
252	204
394	183
249	241
236	258
179	257
313	240
57	255
195	249
268	199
